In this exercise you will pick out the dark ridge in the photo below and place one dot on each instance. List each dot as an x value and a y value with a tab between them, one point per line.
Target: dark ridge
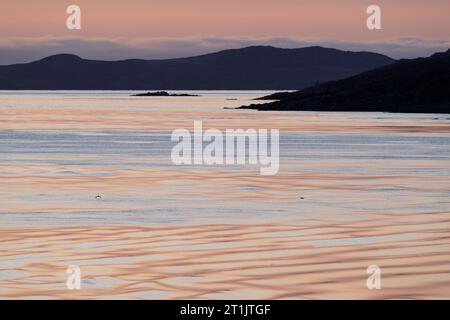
61	58
409	86
252	68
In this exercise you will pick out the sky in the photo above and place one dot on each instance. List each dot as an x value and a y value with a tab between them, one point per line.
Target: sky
112	30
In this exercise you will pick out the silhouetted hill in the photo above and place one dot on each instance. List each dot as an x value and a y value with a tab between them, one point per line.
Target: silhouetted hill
418	86
249	68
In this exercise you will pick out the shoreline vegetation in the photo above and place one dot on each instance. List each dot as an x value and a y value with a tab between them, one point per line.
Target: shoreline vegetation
419	85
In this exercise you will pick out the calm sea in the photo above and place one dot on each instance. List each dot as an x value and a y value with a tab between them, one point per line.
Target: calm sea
59	150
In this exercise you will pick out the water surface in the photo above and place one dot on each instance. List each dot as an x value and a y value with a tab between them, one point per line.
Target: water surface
58	150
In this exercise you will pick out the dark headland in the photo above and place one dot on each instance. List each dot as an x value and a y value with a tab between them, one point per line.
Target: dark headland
252	68
409	86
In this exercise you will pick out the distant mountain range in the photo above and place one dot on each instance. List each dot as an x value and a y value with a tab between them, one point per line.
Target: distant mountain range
411	86
259	67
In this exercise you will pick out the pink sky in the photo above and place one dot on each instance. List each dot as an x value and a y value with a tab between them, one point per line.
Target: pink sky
338	20
343	19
